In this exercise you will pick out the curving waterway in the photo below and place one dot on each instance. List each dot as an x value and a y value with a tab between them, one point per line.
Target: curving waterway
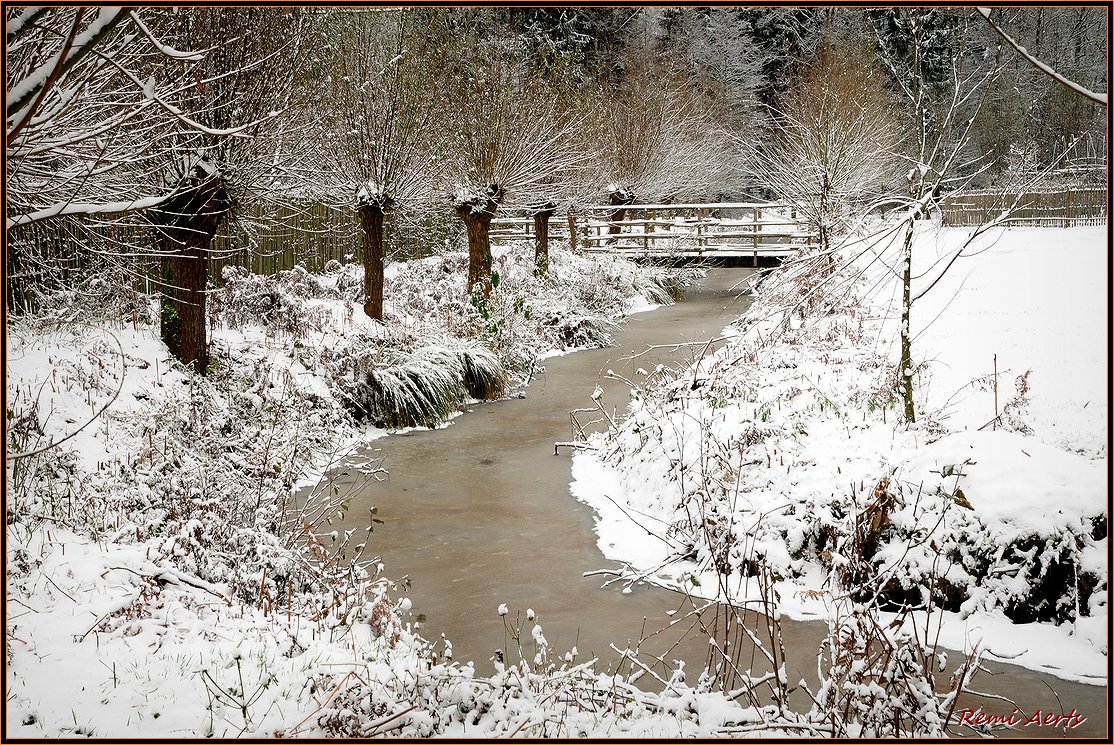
479	514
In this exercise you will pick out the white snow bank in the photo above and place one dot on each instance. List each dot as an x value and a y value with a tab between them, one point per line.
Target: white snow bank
793	441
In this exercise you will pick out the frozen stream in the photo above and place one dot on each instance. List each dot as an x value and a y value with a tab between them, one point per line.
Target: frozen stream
479	513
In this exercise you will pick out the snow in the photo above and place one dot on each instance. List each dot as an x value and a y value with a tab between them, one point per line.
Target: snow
1097	97
370	192
18	22
85	208
19	94
794	427
1034	298
145	602
164	48
162	583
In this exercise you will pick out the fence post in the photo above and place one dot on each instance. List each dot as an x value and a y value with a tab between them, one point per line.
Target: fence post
1067	208
572	230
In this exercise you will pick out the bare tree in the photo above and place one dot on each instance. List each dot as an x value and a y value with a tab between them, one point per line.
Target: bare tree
1043	67
656	137
85	122
107	117
1035	115
943	117
712	45
247	75
835	140
382	126
507	142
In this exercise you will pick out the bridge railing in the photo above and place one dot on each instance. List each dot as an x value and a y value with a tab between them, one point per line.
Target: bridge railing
725	229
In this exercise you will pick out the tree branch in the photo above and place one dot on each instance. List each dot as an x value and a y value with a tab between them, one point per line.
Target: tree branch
1096	97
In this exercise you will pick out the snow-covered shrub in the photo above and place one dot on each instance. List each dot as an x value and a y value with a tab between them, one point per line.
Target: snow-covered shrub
419	389
483	374
281	303
944	541
573	306
878	680
394	387
108	295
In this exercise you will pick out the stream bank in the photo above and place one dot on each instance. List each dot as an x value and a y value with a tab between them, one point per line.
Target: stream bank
478	514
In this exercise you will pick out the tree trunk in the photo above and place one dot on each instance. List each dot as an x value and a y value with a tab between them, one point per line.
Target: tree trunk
184	231
478	224
825	213
905	372
182	314
541	239
372	219
619	199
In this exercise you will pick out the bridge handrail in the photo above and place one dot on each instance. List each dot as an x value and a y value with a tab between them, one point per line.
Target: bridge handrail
707	206
710	239
694	222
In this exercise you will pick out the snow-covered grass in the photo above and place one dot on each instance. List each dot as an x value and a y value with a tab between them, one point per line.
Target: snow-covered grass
165	580
785	450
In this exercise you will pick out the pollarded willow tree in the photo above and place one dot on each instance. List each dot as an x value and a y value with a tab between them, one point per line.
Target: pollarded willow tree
109	119
240	153
83	136
835	140
384	123
554	46
507	141
93	105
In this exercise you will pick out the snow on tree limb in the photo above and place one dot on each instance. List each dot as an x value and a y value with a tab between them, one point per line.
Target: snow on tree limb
166	49
23	20
23	92
177	112
80	208
1046	69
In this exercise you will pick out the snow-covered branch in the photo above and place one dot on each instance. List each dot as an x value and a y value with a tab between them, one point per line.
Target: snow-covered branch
80	208
1046	69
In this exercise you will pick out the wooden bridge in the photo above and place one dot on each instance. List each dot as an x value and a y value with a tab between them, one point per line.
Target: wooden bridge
728	232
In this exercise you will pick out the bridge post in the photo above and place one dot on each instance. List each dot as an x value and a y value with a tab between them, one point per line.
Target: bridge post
757	217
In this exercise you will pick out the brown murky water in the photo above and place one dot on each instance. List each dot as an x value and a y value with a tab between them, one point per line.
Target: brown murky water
479	514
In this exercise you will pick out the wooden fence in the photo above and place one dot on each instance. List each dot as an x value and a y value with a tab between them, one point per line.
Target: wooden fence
64	253
1058	209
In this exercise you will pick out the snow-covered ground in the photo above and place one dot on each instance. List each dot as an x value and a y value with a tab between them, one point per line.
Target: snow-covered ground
785	449
162	581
